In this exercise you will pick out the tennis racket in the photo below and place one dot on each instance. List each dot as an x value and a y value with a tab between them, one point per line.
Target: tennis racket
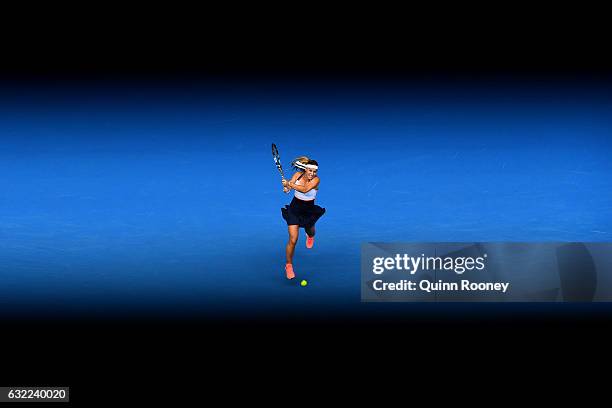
276	157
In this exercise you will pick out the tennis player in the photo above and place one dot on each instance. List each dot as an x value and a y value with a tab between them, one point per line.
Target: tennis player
302	211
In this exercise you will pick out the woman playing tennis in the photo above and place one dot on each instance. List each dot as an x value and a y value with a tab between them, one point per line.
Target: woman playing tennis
302	211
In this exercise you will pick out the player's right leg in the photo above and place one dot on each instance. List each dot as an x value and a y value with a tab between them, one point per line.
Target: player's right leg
290	249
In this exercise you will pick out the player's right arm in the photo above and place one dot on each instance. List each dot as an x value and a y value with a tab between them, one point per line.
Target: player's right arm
286	187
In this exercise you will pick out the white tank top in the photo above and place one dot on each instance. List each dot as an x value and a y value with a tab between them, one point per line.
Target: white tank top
309	196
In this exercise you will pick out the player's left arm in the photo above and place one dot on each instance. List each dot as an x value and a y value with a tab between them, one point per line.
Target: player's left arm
286	187
314	183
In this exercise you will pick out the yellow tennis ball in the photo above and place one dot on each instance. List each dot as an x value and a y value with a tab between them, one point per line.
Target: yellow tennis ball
304	282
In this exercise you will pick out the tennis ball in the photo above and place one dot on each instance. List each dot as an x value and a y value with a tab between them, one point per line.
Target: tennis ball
304	282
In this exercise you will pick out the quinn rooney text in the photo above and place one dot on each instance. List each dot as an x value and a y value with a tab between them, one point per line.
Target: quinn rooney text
428	286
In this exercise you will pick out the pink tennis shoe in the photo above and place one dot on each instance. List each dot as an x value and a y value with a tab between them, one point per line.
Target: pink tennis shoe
309	242
289	271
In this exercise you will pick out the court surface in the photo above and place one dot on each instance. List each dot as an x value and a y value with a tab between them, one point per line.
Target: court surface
164	199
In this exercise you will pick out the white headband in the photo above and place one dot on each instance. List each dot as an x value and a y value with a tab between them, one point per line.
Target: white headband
305	166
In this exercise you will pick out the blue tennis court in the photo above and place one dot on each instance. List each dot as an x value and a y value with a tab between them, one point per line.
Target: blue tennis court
163	198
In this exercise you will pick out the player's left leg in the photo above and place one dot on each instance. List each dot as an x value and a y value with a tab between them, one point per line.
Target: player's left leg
310	233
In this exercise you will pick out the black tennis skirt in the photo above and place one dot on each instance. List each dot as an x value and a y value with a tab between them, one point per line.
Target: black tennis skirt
302	213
